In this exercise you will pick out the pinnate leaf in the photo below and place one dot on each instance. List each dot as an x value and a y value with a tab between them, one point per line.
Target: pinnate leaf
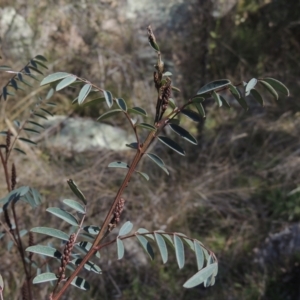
51	232
146	245
199	255
85	90
122	104
278	86
44	250
200	276
217	98
62	214
214	85
250	85
108	98
137	110
73	186
121	249
162	247
80	283
257	96
146	126
126	228
269	88
109	114
66	82
118	164
171	144
53	77
158	161
75	205
179	251
44	277
183	133
192	114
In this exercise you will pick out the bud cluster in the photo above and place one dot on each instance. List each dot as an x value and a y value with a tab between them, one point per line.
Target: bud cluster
117	213
165	93
8	138
13	176
66	257
25	295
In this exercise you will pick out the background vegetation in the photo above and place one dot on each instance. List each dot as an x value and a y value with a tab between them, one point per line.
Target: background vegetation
235	189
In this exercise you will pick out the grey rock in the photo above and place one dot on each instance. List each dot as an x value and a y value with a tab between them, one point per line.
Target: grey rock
78	134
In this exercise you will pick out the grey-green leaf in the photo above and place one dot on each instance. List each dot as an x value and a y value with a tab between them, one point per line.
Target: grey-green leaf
85	90
146	245
241	100
91	229
192	114
75	205
171	144
118	164
73	186
200	276
122	104
200	109
40	116
269	88
183	133
234	91
54	77
44	277
161	246
257	96
132	145
4	68
198	99
146	126
121	249
36	124
44	250
179	251
31	130
4	92
108	98
144	175
277	85
19	150
66	82
62	214
90	266
250	85
172	103
199	255
41	57
158	161
85	247
51	232
217	98
138	111
126	228
80	283
224	101
109	114
27	141
143	231
217	84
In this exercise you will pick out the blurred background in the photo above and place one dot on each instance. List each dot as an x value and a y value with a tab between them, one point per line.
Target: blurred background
237	191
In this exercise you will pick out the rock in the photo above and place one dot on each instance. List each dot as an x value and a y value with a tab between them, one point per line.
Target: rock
16	33
279	247
78	134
